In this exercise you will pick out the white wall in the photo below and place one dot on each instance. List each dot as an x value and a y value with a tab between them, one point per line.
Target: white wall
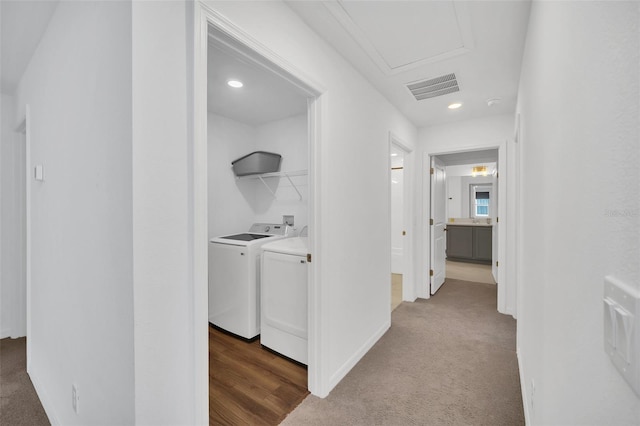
12	220
167	390
235	204
578	105
230	200
470	135
353	154
78	87
288	137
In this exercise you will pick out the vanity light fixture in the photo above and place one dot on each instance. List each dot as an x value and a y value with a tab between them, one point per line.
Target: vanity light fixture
479	170
395	154
454	105
236	84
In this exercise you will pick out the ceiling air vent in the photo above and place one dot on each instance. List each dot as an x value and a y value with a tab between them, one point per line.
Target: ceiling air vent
434	87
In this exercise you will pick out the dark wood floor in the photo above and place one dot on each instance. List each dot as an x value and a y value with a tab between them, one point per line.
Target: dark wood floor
249	385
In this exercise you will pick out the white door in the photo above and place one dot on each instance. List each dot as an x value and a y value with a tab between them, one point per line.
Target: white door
438	222
397	210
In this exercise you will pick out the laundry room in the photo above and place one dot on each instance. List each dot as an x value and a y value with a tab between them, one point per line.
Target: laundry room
258	193
265	114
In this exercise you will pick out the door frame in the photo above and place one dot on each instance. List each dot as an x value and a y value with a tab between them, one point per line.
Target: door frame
503	287
409	288
24	127
207	24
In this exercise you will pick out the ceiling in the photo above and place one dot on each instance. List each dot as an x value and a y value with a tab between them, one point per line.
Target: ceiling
394	43
264	97
391	43
22	25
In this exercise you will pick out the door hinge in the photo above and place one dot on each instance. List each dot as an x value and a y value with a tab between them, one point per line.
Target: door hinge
432	171
496	263
404	232
430	221
308	257
497	219
430	272
497	175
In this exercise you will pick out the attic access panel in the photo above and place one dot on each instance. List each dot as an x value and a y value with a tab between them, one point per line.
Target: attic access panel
400	35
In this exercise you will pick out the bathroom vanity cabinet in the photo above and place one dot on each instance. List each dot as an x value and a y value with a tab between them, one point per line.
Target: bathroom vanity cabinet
469	243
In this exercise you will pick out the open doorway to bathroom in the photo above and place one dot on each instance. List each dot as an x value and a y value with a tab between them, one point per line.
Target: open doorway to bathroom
469	201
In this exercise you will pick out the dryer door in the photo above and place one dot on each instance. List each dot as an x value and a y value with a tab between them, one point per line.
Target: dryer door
284	292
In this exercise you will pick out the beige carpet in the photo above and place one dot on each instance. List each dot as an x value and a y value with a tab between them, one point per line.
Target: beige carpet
396	290
449	360
19	403
469	272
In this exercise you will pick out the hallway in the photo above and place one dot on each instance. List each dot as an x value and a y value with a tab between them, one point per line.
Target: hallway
447	360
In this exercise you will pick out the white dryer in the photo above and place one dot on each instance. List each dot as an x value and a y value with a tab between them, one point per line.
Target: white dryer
234	278
284	325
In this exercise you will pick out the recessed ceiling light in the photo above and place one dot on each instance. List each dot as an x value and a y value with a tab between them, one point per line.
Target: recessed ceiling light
235	83
455	105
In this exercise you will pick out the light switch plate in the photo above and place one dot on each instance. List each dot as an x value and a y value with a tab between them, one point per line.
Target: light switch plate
38	173
621	305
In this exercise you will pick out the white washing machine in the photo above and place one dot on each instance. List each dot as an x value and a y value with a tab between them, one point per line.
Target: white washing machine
284	325
234	278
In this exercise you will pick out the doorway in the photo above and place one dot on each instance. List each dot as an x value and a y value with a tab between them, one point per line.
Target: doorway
401	207
468	200
257	196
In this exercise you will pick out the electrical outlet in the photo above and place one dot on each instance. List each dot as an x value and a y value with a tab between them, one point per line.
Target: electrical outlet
75	399
287	220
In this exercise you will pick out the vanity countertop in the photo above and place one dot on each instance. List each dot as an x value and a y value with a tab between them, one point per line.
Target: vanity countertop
482	223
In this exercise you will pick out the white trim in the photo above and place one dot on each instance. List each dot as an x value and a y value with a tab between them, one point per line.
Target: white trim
19	314
200	221
464	26
211	25
504	287
523	391
317	352
27	129
45	400
356	357
502	214
409	288
424	286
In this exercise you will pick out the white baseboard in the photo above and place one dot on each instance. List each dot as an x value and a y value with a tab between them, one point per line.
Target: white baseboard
44	399
351	362
523	390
